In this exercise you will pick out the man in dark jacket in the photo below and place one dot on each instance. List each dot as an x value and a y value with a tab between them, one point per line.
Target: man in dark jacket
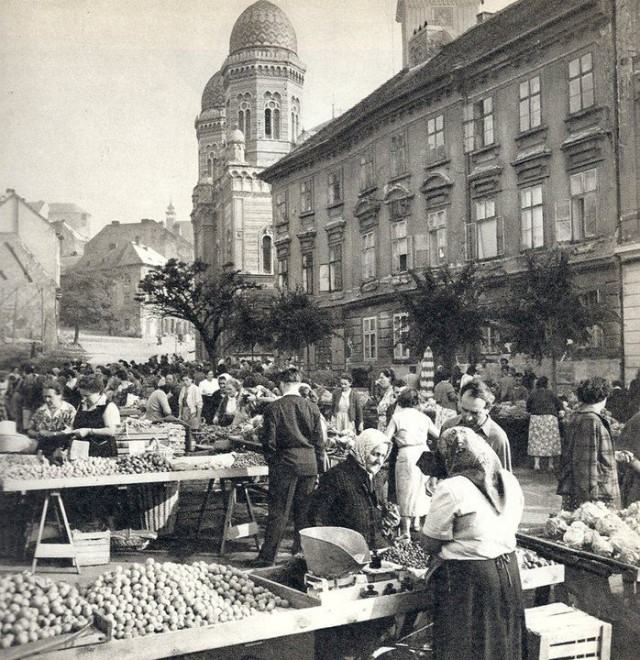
292	442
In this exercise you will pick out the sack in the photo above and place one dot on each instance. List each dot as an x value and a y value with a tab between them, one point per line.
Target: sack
79	449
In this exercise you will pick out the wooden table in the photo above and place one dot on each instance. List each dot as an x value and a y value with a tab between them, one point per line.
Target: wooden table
234	477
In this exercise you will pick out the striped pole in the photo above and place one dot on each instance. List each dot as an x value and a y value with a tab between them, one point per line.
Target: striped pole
427	372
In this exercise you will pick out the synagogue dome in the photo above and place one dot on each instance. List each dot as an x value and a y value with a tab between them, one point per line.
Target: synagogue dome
263	24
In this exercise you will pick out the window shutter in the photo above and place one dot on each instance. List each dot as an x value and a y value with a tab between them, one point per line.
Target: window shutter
470	242
420	250
590	214
395	260
324	277
410	248
563	220
499	236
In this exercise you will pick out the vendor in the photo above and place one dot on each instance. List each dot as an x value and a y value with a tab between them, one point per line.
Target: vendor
349	495
208	387
471	526
53	419
97	419
158	408
190	401
229	404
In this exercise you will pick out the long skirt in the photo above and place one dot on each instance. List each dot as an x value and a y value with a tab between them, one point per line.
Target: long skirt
411	484
544	436
478	610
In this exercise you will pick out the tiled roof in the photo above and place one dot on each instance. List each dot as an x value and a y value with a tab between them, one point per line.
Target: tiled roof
481	41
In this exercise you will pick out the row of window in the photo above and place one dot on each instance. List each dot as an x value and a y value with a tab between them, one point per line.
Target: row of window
478	132
575	219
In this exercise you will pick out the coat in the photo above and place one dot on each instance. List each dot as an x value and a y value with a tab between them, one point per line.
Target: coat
355	407
588	465
345	497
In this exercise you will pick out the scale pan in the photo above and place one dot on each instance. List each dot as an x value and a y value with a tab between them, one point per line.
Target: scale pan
331	552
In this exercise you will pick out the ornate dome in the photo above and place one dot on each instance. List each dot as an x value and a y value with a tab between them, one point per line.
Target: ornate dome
213	94
263	24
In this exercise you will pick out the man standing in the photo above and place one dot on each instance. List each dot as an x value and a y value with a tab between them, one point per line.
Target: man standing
292	442
476	400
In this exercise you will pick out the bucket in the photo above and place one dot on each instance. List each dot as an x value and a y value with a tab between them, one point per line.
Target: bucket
332	552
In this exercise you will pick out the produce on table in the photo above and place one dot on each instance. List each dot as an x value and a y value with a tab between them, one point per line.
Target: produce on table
35	607
248	459
139	463
89	467
408	554
528	559
158	597
598	529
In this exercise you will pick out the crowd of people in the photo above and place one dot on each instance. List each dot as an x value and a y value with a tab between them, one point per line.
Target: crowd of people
438	467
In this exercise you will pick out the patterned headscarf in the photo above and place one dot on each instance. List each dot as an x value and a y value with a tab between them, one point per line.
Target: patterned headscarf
468	455
365	443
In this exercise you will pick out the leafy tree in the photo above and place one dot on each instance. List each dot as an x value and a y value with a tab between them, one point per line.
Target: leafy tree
249	323
545	313
86	299
444	312
296	322
187	291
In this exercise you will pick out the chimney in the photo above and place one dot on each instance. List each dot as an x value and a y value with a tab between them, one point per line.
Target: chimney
146	221
426	43
11	191
115	222
484	16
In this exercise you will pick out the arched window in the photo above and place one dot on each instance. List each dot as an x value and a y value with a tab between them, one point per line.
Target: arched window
209	167
267	122
241	120
267	248
276	124
244	116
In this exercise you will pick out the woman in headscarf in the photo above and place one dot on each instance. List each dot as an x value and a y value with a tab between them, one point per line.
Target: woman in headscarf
471	526
349	494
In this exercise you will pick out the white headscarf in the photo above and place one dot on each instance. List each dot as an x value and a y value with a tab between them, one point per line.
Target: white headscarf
365	443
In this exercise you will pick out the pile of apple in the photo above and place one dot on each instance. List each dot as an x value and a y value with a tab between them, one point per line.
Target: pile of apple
34	608
158	597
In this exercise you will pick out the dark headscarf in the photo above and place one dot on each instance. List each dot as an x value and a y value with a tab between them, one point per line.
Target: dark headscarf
468	455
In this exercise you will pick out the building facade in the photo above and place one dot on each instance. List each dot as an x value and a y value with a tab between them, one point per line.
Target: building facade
29	273
251	116
73	215
506	141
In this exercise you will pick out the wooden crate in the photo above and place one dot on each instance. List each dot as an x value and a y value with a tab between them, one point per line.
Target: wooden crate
563	632
543	576
92	548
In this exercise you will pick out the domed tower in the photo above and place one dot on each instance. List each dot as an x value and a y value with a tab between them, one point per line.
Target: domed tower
263	80
210	126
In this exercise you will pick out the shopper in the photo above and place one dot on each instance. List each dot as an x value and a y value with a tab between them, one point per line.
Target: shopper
409	430
544	408
588	464
476	400
190	402
629	461
445	394
346	407
618	402
208	386
468	375
350	494
386	396
471	527
518	392
292	441
97	419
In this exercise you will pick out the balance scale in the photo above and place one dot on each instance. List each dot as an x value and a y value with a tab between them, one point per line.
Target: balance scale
370	582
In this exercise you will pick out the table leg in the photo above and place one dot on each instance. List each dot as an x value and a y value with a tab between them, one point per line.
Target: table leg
204	506
252	517
228	514
67	527
43	518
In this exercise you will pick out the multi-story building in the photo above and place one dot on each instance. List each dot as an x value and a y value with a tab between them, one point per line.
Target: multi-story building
507	140
29	273
251	116
73	215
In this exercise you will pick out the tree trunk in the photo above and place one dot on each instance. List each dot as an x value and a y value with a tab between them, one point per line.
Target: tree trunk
212	349
76	333
554	372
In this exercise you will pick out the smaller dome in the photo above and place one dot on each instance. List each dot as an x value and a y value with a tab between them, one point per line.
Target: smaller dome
236	136
213	94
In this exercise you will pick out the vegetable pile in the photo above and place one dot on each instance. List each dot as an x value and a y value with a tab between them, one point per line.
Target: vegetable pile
158	597
35	607
528	559
138	463
598	529
248	459
408	554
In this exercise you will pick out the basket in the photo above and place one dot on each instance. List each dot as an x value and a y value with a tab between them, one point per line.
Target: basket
560	631
154	507
332	552
128	540
92	548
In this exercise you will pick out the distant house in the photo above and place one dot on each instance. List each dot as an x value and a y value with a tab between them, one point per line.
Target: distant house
29	273
72	244
72	214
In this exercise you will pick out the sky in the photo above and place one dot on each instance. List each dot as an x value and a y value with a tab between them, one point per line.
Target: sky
99	97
